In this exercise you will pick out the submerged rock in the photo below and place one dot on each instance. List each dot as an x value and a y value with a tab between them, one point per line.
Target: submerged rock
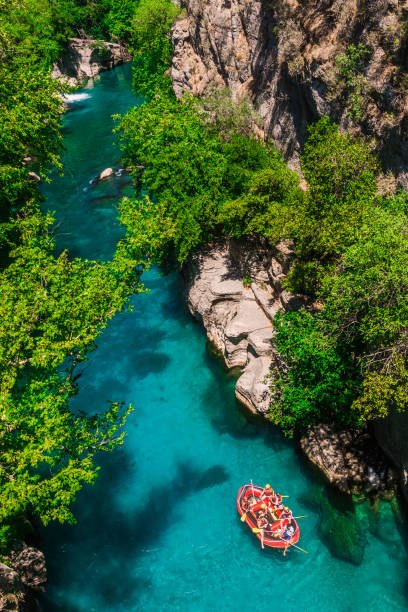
342	532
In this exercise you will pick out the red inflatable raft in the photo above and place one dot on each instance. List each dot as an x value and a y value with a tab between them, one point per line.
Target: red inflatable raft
249	496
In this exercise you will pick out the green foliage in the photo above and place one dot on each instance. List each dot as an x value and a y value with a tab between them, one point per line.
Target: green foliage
340	172
367	306
189	173
316	380
30	104
53	308
350	66
151	43
52	311
266	207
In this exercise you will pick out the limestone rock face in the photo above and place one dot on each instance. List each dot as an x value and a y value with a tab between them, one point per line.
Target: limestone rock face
349	459
85	58
238	318
284	56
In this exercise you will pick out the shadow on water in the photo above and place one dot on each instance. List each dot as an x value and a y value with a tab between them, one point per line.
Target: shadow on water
125	536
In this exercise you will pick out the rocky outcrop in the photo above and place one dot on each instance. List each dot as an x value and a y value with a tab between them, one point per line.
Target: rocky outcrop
85	58
350	459
235	290
24	574
231	290
287	56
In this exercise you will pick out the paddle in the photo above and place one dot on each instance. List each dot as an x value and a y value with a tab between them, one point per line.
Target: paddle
304	516
298	547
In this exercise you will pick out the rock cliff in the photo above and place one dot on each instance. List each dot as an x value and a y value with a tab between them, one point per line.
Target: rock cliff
235	290
85	58
294	60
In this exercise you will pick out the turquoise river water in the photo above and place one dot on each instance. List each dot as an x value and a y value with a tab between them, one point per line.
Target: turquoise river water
160	530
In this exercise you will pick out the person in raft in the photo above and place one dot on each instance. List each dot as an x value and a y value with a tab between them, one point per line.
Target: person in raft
286	514
267	493
288	533
245	504
262	523
278	502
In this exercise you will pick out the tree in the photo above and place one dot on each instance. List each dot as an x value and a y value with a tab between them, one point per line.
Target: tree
315	380
52	311
151	43
188	172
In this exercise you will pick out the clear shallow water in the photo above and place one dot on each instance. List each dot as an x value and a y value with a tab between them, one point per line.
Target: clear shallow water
159	530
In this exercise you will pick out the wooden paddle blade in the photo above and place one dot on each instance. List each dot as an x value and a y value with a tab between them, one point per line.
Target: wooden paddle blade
256	530
304	516
243	517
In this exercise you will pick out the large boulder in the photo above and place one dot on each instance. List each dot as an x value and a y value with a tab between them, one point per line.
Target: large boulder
349	458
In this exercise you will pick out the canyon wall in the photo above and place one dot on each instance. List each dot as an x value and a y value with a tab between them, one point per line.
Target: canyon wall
85	58
293	59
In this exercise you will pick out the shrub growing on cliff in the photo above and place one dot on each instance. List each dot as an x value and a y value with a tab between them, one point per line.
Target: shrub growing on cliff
151	42
315	380
265	210
341	176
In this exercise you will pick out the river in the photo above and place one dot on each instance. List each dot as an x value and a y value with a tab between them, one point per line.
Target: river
160	530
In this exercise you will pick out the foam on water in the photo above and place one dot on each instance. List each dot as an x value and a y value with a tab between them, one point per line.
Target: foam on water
76	97
159	530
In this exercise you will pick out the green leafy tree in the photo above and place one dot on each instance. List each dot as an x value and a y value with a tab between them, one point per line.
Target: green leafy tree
52	311
341	176
189	172
367	306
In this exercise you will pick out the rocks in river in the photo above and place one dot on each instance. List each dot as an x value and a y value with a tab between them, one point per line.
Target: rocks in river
29	562
350	459
234	320
85	58
34	177
25	574
107	173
